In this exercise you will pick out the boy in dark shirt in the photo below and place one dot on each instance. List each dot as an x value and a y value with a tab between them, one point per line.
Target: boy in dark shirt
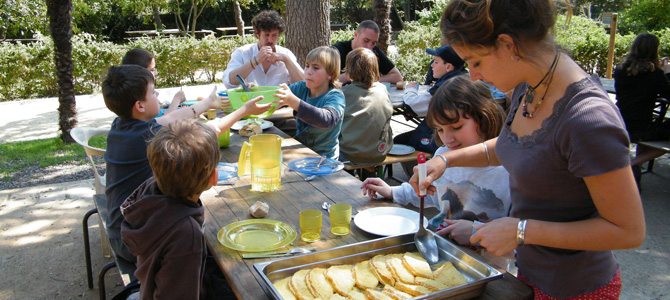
164	218
129	92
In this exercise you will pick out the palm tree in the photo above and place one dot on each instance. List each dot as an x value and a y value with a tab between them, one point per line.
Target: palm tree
61	32
382	18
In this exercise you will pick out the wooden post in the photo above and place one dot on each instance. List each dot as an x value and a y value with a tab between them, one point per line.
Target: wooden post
610	55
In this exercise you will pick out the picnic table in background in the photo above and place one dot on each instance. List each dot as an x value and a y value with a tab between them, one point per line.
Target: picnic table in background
140	33
224	30
399	106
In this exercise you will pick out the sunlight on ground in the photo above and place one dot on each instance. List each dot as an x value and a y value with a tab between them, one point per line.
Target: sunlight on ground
30	227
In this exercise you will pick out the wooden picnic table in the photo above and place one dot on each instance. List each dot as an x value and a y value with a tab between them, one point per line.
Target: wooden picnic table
226	204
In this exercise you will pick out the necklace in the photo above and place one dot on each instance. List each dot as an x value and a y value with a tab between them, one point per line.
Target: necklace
528	95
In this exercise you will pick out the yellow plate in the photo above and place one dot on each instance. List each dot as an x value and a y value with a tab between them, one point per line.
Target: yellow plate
256	235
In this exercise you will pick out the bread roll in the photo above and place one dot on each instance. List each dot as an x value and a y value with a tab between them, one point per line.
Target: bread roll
259	209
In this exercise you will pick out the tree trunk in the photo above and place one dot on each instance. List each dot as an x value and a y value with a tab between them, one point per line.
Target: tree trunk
157	18
238	18
61	32
316	13
382	18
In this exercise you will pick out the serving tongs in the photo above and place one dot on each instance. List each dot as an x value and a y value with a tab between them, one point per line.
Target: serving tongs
281	253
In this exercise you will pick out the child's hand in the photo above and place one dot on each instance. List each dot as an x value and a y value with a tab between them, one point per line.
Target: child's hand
253	108
373	186
287	97
225	104
214	100
411	85
179	97
665	64
458	230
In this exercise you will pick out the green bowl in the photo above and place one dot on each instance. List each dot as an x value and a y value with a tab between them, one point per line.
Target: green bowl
238	97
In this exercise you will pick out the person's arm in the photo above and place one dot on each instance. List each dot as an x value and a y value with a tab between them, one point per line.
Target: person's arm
472	156
392	76
178	98
324	118
193	111
251	107
418	102
344	78
237	65
295	72
620	225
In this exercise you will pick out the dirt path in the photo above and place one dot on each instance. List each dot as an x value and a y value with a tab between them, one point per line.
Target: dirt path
42	254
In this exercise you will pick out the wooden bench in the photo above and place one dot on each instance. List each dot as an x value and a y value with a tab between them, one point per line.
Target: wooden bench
386	167
224	30
100	201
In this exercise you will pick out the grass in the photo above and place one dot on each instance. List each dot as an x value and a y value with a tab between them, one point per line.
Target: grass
42	153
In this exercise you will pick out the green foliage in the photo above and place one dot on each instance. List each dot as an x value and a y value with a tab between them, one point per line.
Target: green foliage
432	15
41	153
411	58
645	15
22	18
27	70
345	34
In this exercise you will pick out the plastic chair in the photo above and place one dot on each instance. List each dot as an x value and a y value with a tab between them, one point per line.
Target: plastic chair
82	135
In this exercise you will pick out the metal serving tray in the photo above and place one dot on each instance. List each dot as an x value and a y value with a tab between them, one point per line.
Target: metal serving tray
477	272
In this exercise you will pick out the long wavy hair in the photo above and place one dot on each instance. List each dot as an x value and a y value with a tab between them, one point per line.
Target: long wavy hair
643	55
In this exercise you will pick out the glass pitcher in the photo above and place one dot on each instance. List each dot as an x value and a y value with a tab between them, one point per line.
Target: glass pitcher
263	157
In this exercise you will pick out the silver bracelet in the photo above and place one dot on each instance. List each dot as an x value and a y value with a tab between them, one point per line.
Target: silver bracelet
521	232
446	162
488	157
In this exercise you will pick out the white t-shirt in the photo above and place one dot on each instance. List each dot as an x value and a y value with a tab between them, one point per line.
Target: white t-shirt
277	73
478	190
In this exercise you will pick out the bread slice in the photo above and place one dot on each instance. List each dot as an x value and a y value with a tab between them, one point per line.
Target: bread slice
337	296
399	272
357	295
417	265
449	276
395	293
341	278
376	295
412	289
378	265
298	286
431	284
318	285
364	276
282	288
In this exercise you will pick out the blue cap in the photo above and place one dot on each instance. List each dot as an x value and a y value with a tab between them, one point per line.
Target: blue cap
448	55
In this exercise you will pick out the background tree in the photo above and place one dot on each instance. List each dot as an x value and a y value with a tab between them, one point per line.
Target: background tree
307	26
382	18
59	24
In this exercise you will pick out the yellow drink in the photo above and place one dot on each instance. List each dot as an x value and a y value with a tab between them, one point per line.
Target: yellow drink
265	175
340	219
310	225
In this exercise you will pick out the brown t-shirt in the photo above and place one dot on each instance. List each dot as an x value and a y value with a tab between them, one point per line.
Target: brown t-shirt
584	136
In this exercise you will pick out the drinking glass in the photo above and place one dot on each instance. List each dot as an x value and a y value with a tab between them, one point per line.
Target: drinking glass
340	218
310	225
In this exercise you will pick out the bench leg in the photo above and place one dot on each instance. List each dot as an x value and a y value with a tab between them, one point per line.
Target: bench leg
104	240
101	279
87	247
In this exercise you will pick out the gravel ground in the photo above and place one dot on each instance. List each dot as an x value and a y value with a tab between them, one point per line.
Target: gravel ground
34	175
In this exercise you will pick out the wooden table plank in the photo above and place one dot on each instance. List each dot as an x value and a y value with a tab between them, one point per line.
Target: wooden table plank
226	204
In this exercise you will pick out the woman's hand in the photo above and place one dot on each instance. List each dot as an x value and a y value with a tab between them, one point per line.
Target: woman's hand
286	97
373	186
497	236
458	230
179	98
434	170
214	100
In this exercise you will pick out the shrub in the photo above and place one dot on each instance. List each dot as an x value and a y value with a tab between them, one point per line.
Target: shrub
412	60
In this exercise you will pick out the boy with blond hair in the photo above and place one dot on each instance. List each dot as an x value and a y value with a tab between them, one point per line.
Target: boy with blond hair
164	218
129	92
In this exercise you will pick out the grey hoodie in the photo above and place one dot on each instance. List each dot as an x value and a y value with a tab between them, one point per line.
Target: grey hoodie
166	235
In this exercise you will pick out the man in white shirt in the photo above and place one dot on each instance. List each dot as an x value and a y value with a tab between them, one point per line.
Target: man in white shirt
264	63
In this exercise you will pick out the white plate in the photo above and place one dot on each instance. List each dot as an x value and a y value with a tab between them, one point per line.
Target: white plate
400	149
239	124
387	221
